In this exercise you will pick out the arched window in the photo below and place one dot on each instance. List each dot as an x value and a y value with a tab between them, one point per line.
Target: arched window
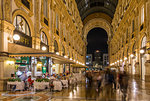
68	54
56	49
44	38
63	50
21	25
133	48
143	42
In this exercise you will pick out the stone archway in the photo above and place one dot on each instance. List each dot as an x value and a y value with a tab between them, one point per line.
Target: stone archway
101	23
97	22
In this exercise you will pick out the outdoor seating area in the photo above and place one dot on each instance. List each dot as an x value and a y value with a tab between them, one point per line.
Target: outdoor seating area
54	82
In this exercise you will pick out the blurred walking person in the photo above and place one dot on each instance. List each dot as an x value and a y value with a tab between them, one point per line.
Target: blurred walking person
123	81
99	81
109	83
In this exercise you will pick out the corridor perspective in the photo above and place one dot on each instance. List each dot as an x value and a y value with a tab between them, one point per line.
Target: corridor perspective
74	50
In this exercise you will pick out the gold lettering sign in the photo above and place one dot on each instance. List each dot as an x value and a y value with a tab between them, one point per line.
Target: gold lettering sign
24	40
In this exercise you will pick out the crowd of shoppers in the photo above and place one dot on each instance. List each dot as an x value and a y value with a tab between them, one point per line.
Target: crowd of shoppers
108	79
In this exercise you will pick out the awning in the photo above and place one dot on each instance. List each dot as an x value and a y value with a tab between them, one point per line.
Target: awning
21	51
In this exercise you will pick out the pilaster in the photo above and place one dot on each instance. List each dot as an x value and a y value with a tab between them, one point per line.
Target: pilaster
6	33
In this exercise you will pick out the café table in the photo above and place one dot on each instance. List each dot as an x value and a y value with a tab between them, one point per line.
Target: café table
57	85
19	85
65	83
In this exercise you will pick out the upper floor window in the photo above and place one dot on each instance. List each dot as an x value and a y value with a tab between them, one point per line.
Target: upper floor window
26	3
132	25
64	31
57	23
126	35
142	15
143	42
45	8
44	38
21	24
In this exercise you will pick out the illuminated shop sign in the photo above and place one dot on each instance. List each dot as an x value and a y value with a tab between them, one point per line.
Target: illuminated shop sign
24	40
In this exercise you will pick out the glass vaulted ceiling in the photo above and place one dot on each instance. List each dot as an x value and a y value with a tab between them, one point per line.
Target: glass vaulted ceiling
87	7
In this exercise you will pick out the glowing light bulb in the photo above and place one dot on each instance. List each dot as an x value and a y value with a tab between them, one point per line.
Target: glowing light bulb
16	37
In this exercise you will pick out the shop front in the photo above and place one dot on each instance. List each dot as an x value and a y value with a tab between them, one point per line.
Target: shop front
133	60
35	66
143	57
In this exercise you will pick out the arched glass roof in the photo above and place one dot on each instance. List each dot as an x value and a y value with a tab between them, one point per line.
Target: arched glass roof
87	7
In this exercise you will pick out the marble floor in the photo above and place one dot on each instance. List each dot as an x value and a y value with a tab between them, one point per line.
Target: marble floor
137	91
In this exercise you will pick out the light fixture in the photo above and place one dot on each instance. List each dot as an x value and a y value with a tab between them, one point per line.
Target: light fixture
125	58
16	37
131	55
142	51
39	64
118	61
121	60
70	58
57	53
10	62
65	56
44	48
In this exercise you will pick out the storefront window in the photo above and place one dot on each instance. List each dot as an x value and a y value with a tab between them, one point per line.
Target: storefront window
23	64
44	38
21	24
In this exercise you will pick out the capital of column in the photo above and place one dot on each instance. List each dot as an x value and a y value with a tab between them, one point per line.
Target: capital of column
7	27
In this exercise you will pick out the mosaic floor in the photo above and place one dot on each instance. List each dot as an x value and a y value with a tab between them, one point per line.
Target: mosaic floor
137	91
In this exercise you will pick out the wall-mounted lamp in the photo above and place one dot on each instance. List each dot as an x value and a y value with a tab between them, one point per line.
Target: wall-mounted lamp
65	56
39	64
57	53
44	48
125	58
10	62
16	37
131	55
142	51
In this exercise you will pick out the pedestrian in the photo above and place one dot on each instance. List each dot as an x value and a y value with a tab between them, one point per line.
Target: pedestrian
109	82
123	81
99	80
23	77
